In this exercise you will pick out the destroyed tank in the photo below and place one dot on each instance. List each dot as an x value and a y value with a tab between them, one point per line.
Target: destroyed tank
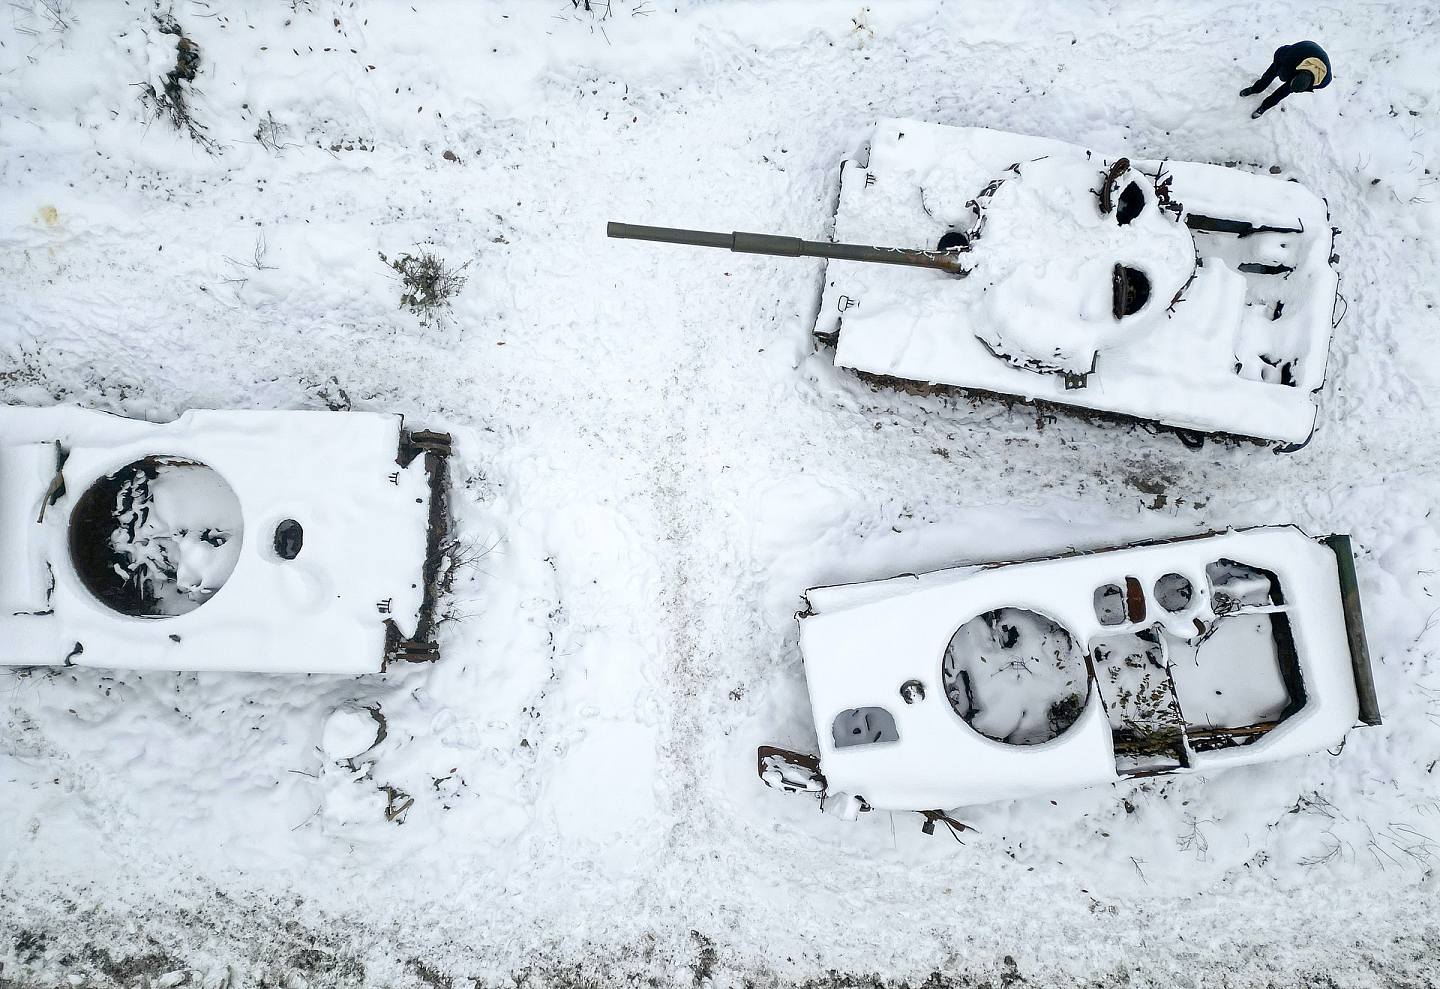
273	542
1195	297
1006	680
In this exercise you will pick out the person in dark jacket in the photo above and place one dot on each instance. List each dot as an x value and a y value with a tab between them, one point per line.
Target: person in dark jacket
1300	67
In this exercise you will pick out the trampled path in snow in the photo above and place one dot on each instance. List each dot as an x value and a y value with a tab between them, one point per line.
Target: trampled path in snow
653	462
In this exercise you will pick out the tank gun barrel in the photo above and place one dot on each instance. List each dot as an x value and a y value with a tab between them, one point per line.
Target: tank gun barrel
789	247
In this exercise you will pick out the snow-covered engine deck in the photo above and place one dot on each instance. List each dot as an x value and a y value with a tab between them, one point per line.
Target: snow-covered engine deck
260	541
1192	295
994	682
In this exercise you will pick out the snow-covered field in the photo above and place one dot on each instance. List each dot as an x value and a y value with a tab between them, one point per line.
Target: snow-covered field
652	463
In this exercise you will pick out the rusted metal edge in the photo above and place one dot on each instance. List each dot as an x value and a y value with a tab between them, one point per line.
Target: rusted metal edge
435	448
1134	601
804	760
1355	628
1112	176
1191	438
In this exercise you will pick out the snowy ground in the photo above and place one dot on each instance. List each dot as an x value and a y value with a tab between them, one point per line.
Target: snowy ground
652	463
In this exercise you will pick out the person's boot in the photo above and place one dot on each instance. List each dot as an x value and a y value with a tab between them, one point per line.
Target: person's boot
1256	114
1249	90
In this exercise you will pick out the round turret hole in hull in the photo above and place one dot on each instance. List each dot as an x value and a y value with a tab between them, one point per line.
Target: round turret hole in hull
156	538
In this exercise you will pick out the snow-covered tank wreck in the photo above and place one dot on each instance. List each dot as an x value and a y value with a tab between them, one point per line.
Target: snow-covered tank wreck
246	540
1190	295
1001	681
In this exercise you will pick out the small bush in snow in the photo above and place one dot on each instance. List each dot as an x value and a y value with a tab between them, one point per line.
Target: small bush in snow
428	282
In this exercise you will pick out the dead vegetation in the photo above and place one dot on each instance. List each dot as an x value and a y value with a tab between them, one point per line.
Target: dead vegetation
604	10
270	135
594	13
171	101
255	263
45	15
428	282
462	554
1344	838
1196	841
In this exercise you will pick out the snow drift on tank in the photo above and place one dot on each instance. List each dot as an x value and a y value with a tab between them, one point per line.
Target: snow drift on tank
1009	680
262	541
1191	295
